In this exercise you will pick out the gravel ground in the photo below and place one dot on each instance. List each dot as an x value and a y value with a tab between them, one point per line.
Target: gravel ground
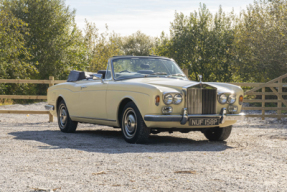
36	156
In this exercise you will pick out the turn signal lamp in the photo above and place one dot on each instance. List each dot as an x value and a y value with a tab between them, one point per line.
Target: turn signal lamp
240	99
157	100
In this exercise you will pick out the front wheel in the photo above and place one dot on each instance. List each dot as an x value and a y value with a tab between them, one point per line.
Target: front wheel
218	134
64	121
133	127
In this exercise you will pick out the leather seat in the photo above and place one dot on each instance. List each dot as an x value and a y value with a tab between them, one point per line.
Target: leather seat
103	72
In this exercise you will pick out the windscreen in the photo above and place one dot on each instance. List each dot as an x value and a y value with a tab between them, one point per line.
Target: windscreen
126	68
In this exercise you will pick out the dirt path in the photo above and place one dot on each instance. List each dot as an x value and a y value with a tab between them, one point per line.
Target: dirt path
35	156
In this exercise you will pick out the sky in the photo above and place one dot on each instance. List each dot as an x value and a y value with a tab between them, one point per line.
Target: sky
149	16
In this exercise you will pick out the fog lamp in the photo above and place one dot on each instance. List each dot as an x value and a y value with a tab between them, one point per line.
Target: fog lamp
232	109
166	110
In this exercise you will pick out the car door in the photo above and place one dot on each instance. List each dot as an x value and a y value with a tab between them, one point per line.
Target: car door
92	100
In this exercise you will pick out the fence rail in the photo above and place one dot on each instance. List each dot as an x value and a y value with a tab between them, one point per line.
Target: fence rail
259	89
253	92
51	82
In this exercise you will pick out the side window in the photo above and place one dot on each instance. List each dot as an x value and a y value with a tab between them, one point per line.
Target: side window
108	72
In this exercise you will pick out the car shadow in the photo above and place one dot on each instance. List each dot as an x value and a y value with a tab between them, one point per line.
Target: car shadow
111	141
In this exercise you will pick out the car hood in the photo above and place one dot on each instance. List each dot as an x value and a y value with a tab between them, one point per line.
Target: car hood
178	84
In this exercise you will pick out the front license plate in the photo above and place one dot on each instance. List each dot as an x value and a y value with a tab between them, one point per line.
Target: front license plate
203	121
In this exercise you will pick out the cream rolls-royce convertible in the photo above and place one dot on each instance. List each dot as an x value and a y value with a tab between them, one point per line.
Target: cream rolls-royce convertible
143	95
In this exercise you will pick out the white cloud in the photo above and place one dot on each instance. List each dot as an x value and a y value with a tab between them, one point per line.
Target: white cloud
126	19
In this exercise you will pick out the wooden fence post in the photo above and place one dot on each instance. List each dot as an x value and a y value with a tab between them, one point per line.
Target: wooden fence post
263	103
185	71
52	82
279	104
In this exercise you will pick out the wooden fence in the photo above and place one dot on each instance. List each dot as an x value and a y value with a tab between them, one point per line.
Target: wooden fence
51	82
258	89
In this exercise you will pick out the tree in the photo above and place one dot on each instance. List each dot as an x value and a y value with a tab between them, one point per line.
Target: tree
100	47
137	44
14	56
54	40
261	41
201	43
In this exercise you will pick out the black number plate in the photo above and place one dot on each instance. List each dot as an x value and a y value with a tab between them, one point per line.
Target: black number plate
203	121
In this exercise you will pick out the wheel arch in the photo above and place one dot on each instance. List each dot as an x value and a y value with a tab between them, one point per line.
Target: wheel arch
59	99
121	106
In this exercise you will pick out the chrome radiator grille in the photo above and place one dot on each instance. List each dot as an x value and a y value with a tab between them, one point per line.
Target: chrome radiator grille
201	101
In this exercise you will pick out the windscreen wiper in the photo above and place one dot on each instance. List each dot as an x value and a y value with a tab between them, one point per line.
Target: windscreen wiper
177	74
157	73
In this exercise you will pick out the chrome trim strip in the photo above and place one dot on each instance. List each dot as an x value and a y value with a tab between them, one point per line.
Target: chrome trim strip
49	107
239	116
166	118
183	119
94	118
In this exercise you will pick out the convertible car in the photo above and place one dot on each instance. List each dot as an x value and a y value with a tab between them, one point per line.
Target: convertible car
143	95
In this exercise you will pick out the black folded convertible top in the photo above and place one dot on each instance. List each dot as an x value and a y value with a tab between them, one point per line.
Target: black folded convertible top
78	75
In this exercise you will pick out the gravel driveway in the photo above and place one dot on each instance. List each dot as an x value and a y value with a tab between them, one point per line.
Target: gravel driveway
36	156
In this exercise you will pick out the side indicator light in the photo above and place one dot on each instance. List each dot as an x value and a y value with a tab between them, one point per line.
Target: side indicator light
157	100
240	99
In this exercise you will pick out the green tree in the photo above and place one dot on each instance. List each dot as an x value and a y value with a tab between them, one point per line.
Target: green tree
138	44
14	56
201	43
100	47
261	41
55	43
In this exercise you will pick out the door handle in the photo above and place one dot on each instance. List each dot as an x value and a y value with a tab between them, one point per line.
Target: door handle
82	87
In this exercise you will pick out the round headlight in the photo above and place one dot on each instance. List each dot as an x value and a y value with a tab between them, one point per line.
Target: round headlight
167	99
177	99
222	98
231	99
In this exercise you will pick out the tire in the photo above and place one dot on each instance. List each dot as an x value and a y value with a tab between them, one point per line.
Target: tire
218	134
133	127
65	123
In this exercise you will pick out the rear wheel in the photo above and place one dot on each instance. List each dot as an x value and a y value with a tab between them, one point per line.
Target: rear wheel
133	127
218	134
64	121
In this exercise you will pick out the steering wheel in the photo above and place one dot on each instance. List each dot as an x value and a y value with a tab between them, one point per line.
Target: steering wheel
125	71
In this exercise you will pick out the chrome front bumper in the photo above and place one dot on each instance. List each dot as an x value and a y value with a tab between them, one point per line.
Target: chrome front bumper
184	118
49	107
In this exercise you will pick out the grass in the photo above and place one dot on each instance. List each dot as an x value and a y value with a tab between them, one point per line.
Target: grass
6	102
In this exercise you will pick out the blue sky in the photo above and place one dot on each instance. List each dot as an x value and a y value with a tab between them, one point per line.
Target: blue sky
149	16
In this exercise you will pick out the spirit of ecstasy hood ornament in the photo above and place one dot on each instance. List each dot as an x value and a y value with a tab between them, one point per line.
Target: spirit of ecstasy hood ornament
200	78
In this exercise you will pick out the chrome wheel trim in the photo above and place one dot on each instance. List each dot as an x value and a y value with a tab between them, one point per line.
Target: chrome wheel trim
129	123
63	115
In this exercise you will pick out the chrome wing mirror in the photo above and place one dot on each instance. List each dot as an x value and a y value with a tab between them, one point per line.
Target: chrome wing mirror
98	77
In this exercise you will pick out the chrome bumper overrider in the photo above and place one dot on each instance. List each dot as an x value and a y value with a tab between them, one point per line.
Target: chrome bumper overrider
184	118
49	107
